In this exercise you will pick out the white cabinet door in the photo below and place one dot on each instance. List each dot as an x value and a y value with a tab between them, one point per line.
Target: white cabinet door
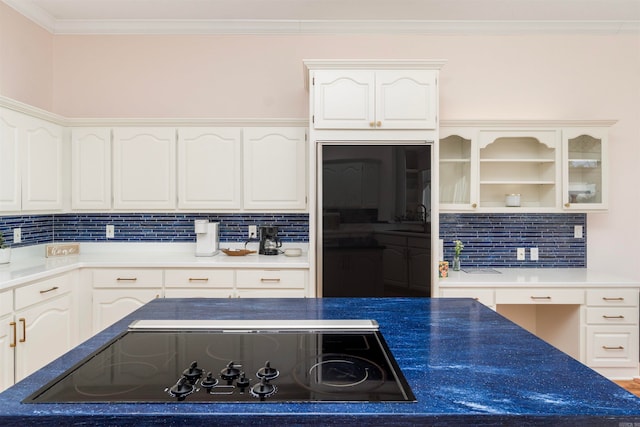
10	182
111	305
368	99
91	168
144	169
45	331
585	169
458	168
274	168
344	99
406	99
7	341
42	173
209	168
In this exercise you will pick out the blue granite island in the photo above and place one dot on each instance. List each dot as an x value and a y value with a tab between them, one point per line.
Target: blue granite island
466	364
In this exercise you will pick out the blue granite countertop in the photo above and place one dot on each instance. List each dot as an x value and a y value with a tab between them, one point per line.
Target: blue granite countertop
465	363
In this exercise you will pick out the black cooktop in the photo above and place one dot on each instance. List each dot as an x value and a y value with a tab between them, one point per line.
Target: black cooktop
237	364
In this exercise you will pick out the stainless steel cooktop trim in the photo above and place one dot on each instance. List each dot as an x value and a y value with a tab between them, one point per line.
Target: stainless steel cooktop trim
256	325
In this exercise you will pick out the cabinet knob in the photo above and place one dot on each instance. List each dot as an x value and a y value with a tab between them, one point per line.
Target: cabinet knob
372	124
474	205
378	123
566	205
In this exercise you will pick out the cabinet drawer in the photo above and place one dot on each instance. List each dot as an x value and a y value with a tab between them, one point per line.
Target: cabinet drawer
484	296
6	302
539	296
289	279
609	346
42	291
199	278
612	315
612	297
126	277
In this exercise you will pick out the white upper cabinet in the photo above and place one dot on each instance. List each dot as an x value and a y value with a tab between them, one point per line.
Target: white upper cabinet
458	169
91	168
10	182
42	165
547	169
585	168
144	168
381	99
209	168
274	168
32	152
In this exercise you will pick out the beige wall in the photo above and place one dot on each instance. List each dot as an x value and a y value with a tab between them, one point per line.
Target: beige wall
26	60
486	77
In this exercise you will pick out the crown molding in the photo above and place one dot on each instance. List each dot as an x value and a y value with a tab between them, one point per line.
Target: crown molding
212	26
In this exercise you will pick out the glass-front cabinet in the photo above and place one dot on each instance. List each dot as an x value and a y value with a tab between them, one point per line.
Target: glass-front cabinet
458	166
523	166
584	174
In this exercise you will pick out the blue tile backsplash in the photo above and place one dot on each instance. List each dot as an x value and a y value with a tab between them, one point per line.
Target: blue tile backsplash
146	227
490	240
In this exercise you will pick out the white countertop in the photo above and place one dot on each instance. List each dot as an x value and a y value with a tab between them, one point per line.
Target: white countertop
30	263
538	277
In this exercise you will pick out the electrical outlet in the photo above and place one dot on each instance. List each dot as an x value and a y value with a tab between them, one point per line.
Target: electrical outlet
17	235
577	231
520	254
533	254
253	232
110	231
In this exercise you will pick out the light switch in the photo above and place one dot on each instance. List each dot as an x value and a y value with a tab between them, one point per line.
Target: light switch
110	231
577	231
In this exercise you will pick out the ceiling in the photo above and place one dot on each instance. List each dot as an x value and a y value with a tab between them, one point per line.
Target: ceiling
317	16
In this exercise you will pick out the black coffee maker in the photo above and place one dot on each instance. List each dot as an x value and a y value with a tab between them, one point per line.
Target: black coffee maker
269	242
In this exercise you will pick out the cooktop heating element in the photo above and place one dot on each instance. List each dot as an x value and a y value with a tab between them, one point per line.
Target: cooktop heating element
236	361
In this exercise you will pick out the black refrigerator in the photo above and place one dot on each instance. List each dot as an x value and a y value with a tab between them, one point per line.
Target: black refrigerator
375	202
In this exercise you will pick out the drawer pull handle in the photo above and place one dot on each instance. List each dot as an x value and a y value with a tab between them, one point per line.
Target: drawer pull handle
24	329
127	279
197	279
49	290
263	279
613	348
15	332
613	317
613	299
534	297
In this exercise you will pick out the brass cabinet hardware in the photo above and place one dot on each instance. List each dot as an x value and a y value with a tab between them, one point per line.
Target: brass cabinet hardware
372	124
566	205
613	348
15	332
24	329
127	279
613	299
54	288
613	317
269	280
378	123
197	279
474	205
534	297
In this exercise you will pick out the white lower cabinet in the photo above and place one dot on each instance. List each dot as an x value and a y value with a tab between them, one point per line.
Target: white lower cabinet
598	326
39	327
199	283
119	292
271	283
612	331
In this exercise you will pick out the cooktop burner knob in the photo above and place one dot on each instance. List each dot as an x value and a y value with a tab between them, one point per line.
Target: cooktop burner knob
181	389
242	382
192	373
263	389
230	373
209	382
267	372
